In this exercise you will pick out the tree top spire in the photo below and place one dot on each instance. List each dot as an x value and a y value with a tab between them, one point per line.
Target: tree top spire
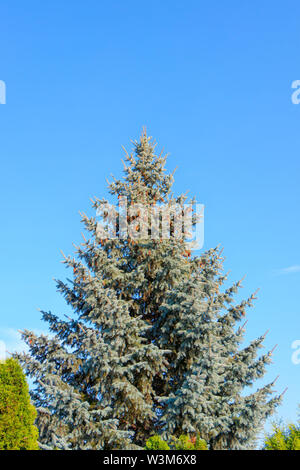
145	178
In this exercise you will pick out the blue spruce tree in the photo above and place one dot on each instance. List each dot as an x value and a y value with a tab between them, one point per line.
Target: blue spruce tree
209	369
150	347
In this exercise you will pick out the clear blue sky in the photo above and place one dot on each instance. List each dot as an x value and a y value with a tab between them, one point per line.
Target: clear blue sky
212	83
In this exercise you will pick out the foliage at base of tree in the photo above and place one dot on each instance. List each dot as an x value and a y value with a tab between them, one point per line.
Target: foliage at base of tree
17	414
156	443
284	438
184	442
190	443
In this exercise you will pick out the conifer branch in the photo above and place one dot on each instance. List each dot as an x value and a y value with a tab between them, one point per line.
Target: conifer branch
275	380
77	323
272	350
66	259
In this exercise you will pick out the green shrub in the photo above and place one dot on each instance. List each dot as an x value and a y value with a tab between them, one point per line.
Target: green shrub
156	443
190	443
284	438
200	444
183	443
17	415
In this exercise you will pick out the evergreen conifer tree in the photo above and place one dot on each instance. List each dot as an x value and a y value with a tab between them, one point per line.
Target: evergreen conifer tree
209	369
146	315
17	414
